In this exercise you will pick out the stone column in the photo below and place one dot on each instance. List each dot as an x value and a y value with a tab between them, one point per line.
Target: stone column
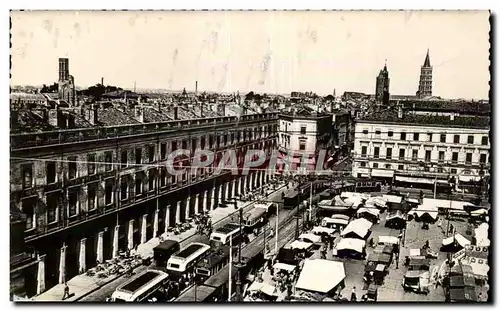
130	235
144	231
235	187
242	185
221	194
187	208
62	265
115	241
155	223
206	201
228	191
213	199
100	247
197	204
178	213
81	261
40	288
167	217
263	177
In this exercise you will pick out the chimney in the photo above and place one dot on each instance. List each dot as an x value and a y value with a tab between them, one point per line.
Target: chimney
139	113
176	112
159	105
400	112
102	81
196	88
201	109
452	116
222	109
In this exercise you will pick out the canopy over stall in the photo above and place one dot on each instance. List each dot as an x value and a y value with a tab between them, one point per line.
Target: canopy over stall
372	211
322	230
310	238
284	266
300	245
359	227
426	212
351	244
386	239
319	275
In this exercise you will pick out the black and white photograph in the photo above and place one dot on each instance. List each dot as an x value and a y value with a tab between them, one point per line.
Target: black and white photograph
285	156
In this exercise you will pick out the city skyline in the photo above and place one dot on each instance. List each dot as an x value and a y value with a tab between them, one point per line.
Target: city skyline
282	51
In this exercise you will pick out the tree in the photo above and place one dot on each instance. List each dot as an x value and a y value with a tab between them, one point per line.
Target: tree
249	96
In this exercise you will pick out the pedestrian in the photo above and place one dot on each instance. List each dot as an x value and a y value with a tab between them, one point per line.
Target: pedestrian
66	291
353	294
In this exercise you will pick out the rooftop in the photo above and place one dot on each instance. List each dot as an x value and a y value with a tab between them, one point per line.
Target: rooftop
445	121
462	107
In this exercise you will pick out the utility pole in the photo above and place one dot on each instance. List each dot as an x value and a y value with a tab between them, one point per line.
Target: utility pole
239	265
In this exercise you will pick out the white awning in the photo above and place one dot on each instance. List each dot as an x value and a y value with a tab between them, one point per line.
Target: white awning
351	244
337	221
359	226
320	230
392	198
300	245
283	266
320	275
415	180
385	239
468	178
373	211
308	237
382	173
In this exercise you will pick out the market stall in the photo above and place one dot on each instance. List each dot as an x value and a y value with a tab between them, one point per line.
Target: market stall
358	228
322	276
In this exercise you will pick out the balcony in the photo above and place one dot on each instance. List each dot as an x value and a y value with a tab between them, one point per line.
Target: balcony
30	140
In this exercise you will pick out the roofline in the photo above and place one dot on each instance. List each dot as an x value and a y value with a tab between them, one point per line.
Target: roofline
424	125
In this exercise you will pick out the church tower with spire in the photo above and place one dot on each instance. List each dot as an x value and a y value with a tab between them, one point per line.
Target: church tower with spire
382	86
425	84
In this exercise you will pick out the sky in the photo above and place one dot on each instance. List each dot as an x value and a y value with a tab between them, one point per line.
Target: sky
260	51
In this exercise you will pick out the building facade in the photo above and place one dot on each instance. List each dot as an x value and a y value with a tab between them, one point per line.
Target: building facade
66	83
420	150
302	133
382	87
425	83
90	193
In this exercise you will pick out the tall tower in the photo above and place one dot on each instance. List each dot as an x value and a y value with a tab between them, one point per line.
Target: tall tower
425	84
63	69
382	86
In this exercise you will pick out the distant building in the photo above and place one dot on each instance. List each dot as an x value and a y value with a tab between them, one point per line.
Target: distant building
66	83
420	150
425	84
303	131
382	87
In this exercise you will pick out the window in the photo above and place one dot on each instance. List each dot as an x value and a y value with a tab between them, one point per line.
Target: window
151	180
362	164
174	145
453	171
456	139
403	136
484	140
376	152
302	146
365	132
138	156
377	132
470	139
427	155
72	167
440	170
375	165
482	158
454	157
92	190
28	207
51	209
442	138
91	164
108	159
151	153
388	153
401	167
217	141
441	156
51	172
429	136
388	166
468	158
108	190
27	171
416	136
303	130
138	185
124	158
163	177
401	154
184	143
390	133
363	151
414	155
124	188
73	203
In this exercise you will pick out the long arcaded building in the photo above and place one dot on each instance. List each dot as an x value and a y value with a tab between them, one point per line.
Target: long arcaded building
93	180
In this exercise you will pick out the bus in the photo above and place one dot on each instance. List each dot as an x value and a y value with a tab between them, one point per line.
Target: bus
145	286
254	218
185	260
268	206
225	233
212	263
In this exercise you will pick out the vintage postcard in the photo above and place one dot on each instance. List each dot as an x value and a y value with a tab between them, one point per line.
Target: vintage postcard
243	156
